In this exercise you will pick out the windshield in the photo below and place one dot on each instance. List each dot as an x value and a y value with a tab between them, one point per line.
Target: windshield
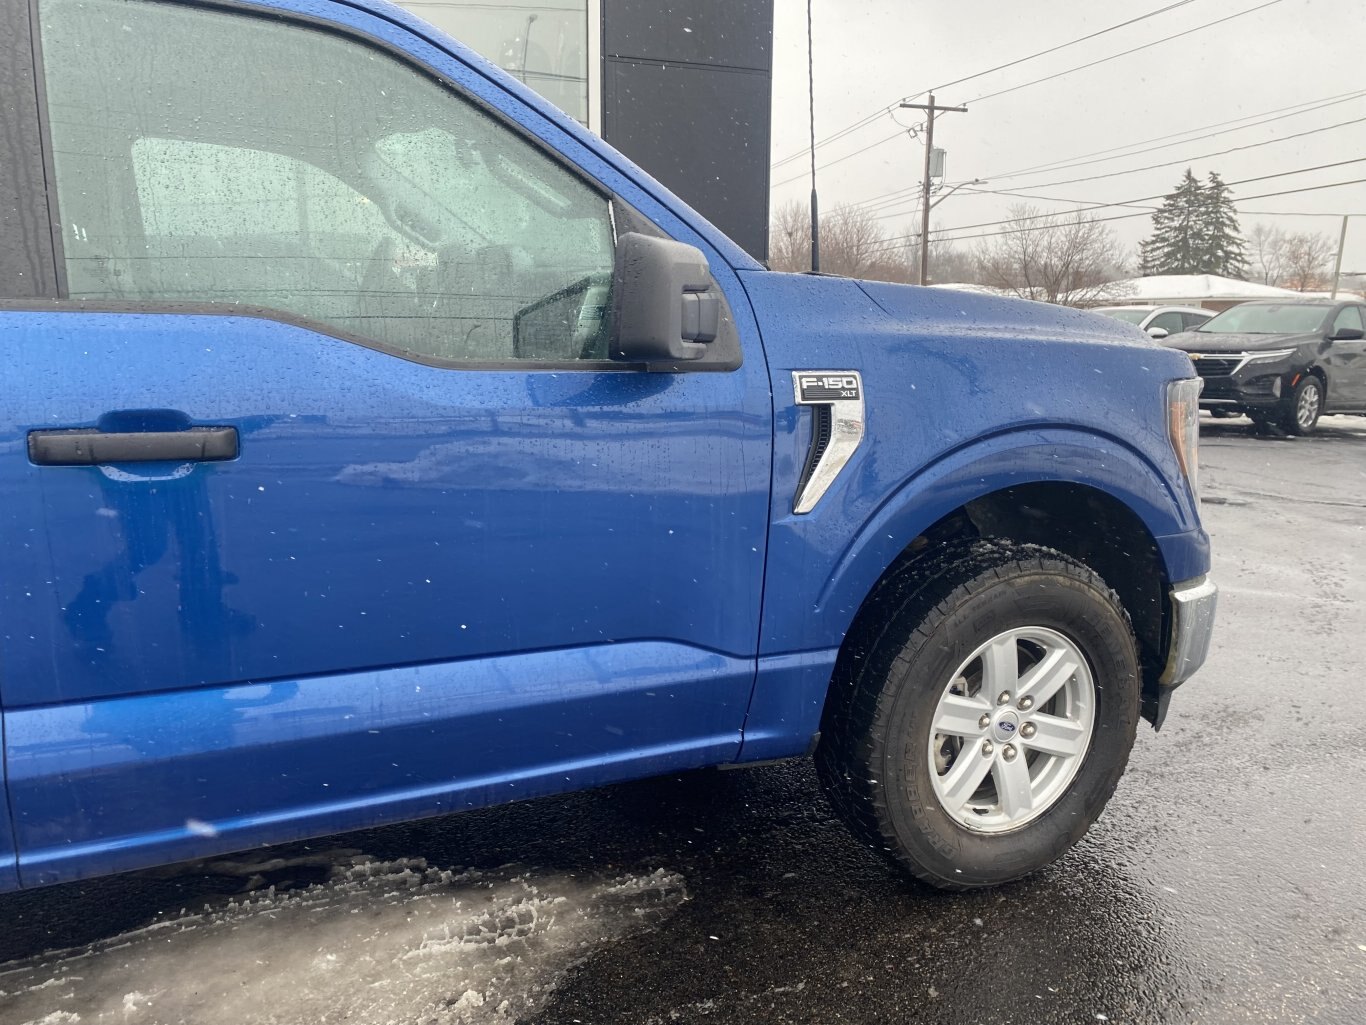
1128	316
1267	319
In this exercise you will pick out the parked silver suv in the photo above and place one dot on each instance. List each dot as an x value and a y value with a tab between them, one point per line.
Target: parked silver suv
1159	321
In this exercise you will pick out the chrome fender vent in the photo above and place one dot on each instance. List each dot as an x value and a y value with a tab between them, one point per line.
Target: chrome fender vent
836	401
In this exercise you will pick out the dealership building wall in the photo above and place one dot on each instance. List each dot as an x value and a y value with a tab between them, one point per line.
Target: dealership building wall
683	89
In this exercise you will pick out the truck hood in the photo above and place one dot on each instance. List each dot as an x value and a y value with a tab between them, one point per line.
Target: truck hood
1209	341
948	311
941	367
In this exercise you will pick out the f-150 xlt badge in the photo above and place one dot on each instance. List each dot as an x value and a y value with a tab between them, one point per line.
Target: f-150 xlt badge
827	387
836	401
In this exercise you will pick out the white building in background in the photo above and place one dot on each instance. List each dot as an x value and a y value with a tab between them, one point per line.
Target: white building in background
1206	291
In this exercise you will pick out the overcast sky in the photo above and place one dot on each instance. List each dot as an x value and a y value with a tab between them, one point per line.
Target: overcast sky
871	53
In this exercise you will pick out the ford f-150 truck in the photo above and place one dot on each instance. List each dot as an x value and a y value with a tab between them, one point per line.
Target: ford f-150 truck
377	443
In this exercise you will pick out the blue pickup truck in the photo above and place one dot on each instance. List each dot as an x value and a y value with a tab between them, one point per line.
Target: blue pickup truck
377	443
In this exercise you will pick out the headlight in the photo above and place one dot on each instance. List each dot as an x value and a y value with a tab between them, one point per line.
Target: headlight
1268	357
1183	424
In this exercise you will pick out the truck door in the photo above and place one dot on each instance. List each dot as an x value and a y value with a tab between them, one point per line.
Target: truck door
328	506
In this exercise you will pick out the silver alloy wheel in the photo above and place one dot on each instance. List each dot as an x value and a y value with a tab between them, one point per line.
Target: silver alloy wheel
1012	729
1307	409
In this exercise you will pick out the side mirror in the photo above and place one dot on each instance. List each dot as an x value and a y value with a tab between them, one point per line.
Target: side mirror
1158	332
665	305
1346	334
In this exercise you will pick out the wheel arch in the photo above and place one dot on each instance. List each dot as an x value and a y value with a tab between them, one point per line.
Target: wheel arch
1092	498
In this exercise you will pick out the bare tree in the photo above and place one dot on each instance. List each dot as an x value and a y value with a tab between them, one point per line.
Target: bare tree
1306	261
789	239
1056	258
948	263
1267	245
853	243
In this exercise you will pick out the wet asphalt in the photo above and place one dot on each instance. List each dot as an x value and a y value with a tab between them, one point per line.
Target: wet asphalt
1226	883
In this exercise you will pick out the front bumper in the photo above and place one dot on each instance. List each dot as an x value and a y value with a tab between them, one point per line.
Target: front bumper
1240	381
1192	624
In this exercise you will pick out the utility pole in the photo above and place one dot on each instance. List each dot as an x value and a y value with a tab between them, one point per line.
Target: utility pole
930	110
1337	261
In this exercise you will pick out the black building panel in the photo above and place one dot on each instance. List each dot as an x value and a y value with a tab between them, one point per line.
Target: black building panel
687	94
735	34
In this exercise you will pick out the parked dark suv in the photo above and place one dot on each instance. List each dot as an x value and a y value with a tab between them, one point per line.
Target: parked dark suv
1283	363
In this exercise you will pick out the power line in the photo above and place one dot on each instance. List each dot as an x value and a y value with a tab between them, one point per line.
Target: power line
1293	213
1122	217
870	118
1140	199
1279	112
898	196
1003	192
836	160
984	192
1200	156
1084	203
1136	49
847	130
1093	204
1063	46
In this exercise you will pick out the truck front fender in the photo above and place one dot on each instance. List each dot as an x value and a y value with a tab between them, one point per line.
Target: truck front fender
820	571
819	597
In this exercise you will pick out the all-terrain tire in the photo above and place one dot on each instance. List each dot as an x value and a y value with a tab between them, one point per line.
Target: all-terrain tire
911	639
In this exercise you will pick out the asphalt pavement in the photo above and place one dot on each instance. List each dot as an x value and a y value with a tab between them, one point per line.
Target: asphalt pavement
1226	883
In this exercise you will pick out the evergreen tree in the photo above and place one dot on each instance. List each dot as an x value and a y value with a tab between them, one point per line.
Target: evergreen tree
1225	250
1176	245
1195	232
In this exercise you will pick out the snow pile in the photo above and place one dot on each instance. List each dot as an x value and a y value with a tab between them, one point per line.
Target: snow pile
380	942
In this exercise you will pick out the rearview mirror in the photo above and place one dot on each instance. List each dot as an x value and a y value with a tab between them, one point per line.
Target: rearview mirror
665	305
1158	332
1346	334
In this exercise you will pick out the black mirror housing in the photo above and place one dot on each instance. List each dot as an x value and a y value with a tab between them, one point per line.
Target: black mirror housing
665	306
1347	334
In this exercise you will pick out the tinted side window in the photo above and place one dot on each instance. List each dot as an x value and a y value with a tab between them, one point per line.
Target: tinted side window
213	157
1194	320
1349	317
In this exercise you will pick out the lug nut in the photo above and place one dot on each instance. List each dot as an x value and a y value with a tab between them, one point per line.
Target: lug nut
986	747
1004	699
1008	752
1026	704
1028	730
985	721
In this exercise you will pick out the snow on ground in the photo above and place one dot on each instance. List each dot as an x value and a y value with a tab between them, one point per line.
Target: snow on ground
380	943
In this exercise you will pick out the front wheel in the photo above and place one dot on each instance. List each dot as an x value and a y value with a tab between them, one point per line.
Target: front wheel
982	713
1301	414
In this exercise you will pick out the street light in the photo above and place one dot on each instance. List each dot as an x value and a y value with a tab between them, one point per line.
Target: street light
924	235
975	181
